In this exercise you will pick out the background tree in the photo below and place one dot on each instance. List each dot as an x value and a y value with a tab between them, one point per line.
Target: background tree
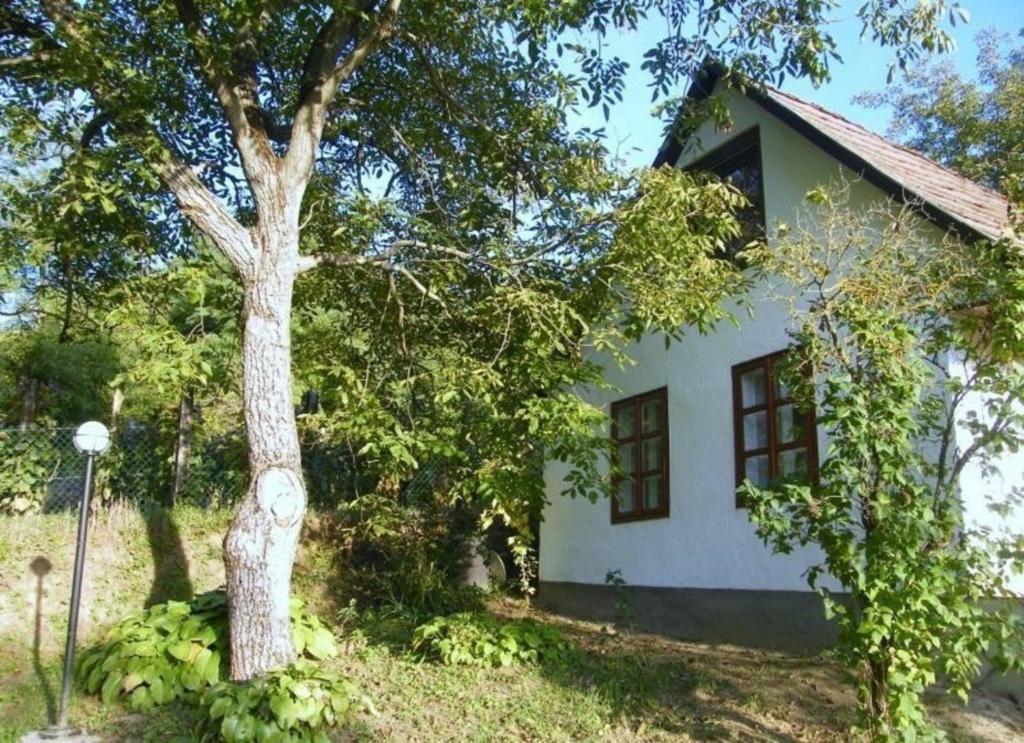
975	126
908	352
428	142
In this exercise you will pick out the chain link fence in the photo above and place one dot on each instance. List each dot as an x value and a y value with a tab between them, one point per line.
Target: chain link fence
41	471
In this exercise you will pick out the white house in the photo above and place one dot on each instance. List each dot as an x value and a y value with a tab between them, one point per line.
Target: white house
700	415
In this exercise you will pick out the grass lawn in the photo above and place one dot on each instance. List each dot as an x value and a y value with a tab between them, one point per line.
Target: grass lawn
621	687
614	687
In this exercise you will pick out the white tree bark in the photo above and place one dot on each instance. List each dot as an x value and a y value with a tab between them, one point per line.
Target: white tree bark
259	549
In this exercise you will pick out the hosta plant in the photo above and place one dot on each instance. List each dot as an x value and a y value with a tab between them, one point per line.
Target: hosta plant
297	703
476	639
169	650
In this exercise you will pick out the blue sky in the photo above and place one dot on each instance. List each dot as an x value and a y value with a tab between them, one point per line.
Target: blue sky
636	133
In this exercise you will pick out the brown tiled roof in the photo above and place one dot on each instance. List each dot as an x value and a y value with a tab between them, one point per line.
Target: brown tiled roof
947	198
969	203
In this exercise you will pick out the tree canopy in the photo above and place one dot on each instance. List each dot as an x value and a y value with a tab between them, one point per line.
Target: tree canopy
975	125
469	238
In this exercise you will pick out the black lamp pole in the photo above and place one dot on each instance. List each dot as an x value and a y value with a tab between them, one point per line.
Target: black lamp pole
76	593
91	439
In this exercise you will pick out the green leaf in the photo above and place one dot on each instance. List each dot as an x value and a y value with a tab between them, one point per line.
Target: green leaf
111	688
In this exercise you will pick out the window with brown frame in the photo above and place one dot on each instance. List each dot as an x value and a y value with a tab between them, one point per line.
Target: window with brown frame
774	439
640	438
738	162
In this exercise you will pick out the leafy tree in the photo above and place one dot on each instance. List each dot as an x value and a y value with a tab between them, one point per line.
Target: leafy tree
426	143
973	125
906	348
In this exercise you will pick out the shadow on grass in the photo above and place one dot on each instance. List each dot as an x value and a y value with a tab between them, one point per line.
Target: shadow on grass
41	567
677	695
171	579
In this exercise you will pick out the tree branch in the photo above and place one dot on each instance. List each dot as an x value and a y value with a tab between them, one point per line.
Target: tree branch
309	262
322	77
203	209
238	100
196	202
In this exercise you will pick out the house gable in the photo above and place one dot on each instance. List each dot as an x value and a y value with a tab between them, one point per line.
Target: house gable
952	202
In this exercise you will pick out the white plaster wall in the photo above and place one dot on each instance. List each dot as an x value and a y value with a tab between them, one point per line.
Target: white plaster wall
706	542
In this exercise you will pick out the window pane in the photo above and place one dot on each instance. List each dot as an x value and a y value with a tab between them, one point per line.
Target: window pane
789	424
755	430
781	389
757	470
627	458
753	387
650	416
626	496
793	462
625	419
652	491
652	451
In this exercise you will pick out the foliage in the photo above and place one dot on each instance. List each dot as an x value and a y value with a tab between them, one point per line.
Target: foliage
478	639
72	373
297	703
26	469
407	560
900	346
469	236
177	648
975	125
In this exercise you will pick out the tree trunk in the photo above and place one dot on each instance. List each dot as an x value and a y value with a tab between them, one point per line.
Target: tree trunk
116	403
260	546
29	398
878	702
183	447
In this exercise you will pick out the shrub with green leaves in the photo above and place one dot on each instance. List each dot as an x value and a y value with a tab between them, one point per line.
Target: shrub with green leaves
294	704
27	463
475	639
169	650
912	390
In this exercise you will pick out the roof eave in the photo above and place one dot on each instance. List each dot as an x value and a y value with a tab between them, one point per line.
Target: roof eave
704	83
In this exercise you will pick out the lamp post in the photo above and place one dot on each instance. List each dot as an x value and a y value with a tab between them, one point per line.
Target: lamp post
91	439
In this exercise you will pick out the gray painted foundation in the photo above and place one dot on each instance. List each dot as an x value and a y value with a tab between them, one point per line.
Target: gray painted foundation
793	621
790	621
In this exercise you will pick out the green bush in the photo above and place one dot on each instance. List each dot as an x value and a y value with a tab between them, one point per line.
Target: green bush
27	464
293	704
406	560
169	650
476	639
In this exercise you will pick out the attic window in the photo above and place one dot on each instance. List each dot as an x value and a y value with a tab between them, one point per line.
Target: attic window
738	162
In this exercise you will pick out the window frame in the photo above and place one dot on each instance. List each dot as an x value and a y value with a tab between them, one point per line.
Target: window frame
726	154
771	404
641	513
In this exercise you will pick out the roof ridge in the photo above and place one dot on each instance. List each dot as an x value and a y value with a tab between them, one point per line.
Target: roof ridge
909	150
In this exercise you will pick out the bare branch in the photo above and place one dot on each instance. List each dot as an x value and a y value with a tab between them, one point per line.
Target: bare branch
309	262
323	78
41	56
206	212
236	99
